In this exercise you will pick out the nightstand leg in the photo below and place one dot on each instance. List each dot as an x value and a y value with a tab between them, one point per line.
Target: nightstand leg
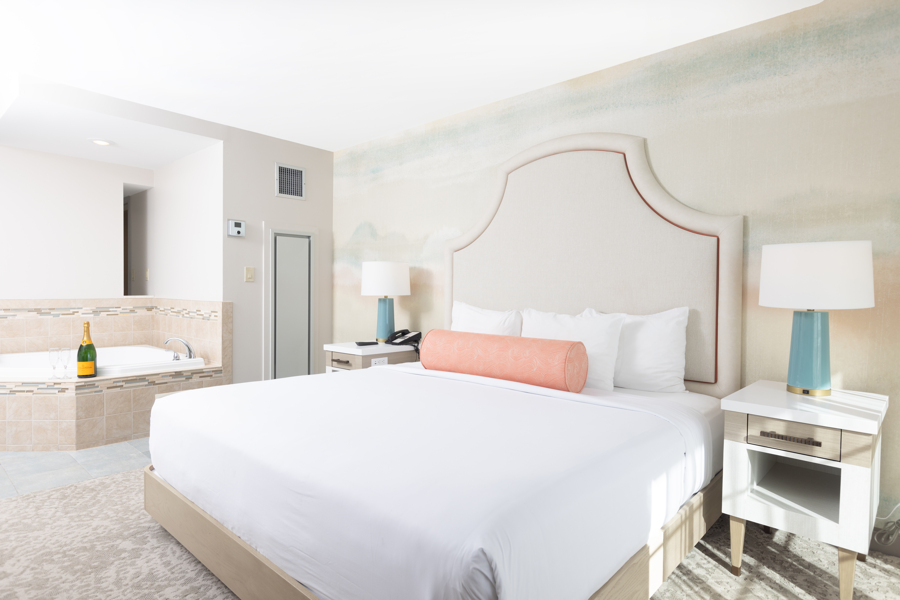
846	571
861	557
738	527
767	530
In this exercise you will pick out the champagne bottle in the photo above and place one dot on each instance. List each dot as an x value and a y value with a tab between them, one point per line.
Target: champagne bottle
87	355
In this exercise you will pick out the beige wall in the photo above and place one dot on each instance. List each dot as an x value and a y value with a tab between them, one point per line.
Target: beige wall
792	122
63	229
184	228
250	196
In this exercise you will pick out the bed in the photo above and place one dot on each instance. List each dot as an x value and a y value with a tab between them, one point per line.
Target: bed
399	482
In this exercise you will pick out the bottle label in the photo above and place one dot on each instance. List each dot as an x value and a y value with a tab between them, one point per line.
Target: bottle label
85	368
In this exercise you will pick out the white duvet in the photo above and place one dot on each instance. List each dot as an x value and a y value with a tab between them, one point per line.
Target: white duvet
402	483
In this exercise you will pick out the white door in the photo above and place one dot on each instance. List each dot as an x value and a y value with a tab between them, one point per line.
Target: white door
291	316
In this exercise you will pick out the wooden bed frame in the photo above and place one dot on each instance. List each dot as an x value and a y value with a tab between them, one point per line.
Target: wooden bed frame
252	576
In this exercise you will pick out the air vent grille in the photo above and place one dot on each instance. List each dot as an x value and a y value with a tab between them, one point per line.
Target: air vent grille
290	181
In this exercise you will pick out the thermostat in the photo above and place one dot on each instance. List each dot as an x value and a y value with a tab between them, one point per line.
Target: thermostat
236	228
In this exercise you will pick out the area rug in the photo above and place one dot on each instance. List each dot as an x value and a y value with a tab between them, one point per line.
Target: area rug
92	540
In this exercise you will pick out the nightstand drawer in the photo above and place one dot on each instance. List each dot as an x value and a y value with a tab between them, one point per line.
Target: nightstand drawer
343	361
812	440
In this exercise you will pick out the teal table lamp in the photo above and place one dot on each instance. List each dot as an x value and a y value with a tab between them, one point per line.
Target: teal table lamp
384	278
812	278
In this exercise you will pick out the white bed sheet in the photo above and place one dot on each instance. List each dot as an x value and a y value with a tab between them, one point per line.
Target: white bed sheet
397	482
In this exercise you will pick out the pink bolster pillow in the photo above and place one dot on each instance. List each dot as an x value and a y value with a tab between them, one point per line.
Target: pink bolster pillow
554	364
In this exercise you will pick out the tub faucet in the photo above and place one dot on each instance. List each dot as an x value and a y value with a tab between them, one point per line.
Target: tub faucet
190	351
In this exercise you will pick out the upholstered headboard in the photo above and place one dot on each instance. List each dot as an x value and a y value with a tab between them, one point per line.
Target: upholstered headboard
581	221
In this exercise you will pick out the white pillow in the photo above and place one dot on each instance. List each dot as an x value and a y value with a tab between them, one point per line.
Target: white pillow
651	351
472	319
598	332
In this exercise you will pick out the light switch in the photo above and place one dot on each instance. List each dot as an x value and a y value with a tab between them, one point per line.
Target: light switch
147	275
248	274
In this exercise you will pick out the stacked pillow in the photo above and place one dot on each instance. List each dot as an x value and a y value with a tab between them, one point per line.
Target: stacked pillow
639	352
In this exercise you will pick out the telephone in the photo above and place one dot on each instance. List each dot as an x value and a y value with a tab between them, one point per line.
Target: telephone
404	337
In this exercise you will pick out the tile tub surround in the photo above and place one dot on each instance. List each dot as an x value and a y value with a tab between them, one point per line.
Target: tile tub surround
38	325
75	414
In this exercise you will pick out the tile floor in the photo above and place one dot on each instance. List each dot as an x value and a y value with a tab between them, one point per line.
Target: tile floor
25	472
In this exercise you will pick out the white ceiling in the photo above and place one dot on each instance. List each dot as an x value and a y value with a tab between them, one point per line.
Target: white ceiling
59	128
335	74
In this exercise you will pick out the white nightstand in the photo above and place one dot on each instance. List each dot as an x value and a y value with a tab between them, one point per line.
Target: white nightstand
807	465
350	357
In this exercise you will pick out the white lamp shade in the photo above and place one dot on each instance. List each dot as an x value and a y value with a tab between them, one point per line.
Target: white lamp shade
819	276
383	278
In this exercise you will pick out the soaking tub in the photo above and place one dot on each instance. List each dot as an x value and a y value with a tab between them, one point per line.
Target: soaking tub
117	361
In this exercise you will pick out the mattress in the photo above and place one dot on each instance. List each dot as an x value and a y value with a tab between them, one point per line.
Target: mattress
402	483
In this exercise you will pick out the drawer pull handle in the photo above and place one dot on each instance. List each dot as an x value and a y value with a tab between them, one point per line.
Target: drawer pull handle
788	438
338	360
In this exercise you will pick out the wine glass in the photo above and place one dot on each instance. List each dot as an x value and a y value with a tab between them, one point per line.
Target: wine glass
53	355
64	360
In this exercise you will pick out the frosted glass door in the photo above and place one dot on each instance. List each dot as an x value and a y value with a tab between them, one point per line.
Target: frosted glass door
292	316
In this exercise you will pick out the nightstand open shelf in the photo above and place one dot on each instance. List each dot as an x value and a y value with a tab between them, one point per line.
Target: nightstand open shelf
791	485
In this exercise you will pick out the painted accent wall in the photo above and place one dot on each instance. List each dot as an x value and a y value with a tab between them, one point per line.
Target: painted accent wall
63	228
792	122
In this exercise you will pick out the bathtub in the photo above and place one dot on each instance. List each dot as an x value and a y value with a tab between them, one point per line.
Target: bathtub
119	361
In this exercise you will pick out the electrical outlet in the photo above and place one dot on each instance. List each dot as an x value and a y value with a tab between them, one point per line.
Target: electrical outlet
379	361
249	273
147	275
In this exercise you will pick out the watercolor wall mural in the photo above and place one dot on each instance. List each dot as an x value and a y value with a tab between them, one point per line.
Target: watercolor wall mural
793	122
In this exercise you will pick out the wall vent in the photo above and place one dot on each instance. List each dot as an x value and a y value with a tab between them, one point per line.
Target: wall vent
291	181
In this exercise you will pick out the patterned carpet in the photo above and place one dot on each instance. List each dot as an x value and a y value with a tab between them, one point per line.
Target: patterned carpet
92	540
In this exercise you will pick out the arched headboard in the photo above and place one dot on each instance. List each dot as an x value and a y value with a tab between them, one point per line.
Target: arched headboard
581	221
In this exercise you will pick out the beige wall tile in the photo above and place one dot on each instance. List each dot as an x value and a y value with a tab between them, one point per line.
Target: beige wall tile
12	345
67	432
117	402
37	327
67	407
12	328
89	406
212	382
18	433
191	385
168	388
141	421
2	434
2	414
89	430
44	408
142	323
142	338
123	323
37	344
118	426
45	432
142	398
45	447
122	338
200	329
59	341
70	448
61	326
102	340
103	324
18	408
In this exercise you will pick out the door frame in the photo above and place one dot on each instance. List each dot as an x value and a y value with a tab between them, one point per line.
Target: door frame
273	233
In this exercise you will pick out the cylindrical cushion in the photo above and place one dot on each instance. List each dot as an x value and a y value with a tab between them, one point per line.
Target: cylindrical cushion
554	364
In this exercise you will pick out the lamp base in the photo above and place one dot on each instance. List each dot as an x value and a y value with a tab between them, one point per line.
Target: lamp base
803	392
809	372
385	319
